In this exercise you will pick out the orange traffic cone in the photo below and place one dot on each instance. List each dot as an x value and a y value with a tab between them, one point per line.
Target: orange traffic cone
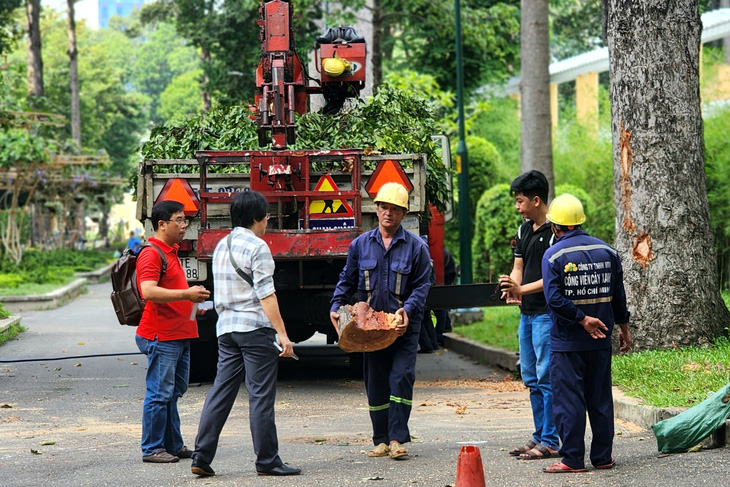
469	470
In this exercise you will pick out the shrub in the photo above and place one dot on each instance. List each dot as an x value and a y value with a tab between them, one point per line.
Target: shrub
496	226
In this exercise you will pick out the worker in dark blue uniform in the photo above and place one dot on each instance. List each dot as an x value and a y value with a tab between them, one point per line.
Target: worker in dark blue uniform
389	268
584	290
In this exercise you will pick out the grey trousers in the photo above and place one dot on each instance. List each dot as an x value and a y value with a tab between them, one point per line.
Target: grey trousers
252	355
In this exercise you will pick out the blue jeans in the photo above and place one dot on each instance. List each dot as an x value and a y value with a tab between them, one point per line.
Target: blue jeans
534	335
168	367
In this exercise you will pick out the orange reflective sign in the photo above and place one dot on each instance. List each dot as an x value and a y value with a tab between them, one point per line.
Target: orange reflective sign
329	208
388	171
179	190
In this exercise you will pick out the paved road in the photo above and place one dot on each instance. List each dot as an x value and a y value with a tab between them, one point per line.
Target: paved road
91	409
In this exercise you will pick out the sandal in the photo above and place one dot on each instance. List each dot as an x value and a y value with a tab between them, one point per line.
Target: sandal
519	451
397	450
381	450
607	466
538	453
560	467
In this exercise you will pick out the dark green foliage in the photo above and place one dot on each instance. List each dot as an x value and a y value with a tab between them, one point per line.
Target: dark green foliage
496	226
393	122
421	36
576	27
49	267
7	29
483	163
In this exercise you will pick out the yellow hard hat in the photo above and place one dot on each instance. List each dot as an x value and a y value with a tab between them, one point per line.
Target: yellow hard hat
566	210
393	193
335	66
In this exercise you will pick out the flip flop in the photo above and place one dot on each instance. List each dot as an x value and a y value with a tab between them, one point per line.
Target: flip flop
607	466
542	449
560	467
381	450
519	451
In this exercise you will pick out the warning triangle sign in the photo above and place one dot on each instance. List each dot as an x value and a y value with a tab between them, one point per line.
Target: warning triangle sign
388	171
179	190
329	208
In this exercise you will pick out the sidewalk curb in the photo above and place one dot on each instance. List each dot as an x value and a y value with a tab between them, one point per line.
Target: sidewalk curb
51	300
98	275
8	322
625	408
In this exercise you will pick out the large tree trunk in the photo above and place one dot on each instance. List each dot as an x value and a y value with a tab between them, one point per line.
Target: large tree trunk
536	140
35	62
74	75
663	227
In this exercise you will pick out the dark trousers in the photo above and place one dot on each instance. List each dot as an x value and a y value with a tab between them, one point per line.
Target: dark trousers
581	383
252	355
443	324
389	377
427	338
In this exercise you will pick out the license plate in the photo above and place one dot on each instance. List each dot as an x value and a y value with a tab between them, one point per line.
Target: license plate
195	270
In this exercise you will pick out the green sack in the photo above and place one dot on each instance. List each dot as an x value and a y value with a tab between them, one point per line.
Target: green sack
687	429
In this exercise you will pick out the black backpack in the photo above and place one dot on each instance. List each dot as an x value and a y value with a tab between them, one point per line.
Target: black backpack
128	305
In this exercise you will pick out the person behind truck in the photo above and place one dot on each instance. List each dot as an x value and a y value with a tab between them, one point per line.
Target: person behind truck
248	323
530	191
134	243
390	268
585	296
443	321
164	334
427	342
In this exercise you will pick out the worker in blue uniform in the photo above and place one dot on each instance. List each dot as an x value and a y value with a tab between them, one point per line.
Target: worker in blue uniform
389	268
584	290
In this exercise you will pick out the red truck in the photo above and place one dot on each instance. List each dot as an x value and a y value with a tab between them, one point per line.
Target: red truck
320	200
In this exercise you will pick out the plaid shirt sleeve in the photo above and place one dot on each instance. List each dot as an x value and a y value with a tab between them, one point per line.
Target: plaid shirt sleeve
262	270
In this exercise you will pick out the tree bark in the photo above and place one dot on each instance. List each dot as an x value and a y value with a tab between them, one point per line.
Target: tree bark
536	130
74	75
663	230
205	57
377	46
35	62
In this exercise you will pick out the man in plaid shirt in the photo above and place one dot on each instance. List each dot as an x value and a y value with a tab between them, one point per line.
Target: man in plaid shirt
248	322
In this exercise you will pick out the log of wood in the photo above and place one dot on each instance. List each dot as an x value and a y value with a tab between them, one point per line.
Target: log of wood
363	329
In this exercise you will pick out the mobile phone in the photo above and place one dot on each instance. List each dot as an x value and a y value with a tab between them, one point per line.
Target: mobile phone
278	347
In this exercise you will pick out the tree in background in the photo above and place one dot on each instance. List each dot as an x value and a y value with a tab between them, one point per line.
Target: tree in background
165	59
73	74
663	226
536	135
7	7
419	35
35	61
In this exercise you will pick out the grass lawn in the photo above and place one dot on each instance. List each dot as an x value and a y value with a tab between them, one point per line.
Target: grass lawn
667	378
497	329
30	288
11	333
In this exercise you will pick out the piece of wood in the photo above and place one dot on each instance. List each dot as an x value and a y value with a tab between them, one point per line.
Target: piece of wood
363	329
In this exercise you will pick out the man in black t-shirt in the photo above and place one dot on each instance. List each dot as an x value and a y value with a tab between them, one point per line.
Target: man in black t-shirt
524	286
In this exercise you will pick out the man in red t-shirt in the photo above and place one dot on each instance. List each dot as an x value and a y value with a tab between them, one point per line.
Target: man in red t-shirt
164	334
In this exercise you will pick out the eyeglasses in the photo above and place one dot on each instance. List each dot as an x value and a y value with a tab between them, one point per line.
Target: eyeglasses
183	222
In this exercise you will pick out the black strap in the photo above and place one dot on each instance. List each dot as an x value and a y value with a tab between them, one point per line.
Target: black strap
239	271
